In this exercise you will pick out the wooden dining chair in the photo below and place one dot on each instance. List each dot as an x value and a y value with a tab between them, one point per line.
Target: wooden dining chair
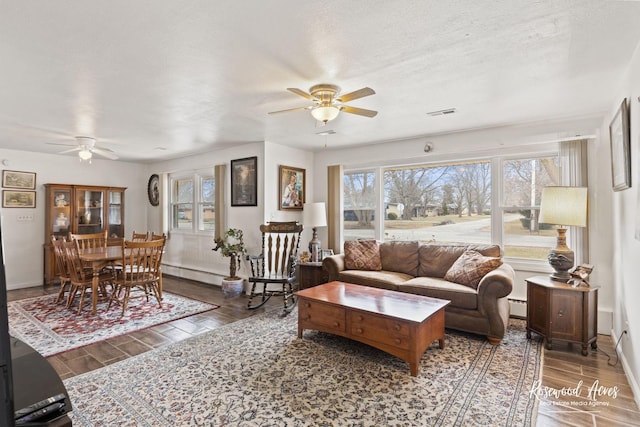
91	240
140	272
81	278
155	236
276	265
139	237
163	237
61	266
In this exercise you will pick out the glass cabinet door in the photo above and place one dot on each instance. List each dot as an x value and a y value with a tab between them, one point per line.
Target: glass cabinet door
89	211
116	207
61	212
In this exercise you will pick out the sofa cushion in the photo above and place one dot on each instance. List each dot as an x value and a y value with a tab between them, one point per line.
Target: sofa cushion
377	279
471	267
362	255
460	296
486	250
400	256
437	259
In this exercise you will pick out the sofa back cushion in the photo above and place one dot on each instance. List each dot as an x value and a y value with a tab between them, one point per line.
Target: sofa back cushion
436	259
362	255
400	256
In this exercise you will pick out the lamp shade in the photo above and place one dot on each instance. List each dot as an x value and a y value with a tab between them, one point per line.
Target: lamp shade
85	154
324	113
564	206
314	215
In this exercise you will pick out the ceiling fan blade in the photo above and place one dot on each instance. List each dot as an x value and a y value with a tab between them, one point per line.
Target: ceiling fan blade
70	150
358	111
64	144
301	93
105	152
361	93
291	109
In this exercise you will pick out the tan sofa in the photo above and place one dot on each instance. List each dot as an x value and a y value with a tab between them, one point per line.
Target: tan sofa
420	269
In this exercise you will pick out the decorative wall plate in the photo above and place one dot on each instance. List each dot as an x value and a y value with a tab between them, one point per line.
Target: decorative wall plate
153	190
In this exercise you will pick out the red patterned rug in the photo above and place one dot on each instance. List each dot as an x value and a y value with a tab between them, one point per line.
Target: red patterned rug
52	328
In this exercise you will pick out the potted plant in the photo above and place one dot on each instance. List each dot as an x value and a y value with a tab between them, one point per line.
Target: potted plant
232	246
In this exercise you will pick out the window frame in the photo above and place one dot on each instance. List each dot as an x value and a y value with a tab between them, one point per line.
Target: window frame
196	177
497	195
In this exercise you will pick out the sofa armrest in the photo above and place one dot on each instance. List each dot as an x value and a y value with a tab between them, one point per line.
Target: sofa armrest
497	283
493	290
333	265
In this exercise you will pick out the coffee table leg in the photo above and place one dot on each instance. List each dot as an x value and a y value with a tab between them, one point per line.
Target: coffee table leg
441	343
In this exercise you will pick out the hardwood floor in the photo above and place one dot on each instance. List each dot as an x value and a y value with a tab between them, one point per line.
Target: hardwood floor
563	367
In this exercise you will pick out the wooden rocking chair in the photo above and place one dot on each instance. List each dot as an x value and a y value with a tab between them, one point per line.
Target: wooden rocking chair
276	265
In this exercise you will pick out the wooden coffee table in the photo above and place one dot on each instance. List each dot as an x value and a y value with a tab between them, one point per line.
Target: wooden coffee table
398	323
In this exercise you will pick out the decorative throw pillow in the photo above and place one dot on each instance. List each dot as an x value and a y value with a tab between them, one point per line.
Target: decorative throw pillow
362	255
470	268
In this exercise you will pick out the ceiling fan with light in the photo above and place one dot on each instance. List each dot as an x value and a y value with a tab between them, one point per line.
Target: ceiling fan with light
327	103
86	148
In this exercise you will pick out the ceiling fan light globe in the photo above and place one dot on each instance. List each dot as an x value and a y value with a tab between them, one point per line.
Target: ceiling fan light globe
85	154
325	113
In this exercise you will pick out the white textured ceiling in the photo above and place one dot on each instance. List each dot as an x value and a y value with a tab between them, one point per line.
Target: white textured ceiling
158	79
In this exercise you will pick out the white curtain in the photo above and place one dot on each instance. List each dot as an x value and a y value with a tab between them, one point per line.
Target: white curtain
573	166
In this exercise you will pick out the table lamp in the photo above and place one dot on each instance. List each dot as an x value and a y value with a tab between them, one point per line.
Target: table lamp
314	215
563	206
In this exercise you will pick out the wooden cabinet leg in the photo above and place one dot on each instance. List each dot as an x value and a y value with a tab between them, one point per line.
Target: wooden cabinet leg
585	352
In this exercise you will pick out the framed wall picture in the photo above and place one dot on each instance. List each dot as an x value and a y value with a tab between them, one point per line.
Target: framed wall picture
18	199
244	182
292	187
619	133
17	179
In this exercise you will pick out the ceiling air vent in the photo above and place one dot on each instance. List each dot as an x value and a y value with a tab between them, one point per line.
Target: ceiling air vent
441	112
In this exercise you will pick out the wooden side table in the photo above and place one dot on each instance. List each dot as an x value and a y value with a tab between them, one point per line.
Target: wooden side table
311	274
558	311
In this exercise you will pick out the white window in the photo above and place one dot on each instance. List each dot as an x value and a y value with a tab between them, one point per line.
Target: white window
522	184
192	201
359	204
440	203
475	201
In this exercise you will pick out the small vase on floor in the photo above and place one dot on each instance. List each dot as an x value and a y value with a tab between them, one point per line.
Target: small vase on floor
232	287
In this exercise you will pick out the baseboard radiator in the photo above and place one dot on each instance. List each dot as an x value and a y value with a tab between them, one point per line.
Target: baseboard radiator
518	308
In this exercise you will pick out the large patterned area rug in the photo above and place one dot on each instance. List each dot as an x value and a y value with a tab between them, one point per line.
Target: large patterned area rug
256	372
52	328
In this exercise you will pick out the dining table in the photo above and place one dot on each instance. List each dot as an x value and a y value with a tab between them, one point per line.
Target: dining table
100	257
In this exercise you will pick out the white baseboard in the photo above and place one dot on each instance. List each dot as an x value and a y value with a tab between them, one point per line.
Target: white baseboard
633	382
518	308
192	274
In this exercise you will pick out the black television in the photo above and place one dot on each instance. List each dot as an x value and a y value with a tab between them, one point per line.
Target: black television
7	407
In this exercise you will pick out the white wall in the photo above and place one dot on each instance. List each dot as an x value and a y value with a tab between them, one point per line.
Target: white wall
189	255
625	248
23	240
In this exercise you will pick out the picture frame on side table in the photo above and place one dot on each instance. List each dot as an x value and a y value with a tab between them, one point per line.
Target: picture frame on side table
18	179
18	199
292	188
244	182
619	133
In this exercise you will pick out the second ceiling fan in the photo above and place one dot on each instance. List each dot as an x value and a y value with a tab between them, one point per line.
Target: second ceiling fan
327	102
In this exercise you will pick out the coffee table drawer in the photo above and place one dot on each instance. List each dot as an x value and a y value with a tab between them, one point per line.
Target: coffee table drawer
380	329
328	317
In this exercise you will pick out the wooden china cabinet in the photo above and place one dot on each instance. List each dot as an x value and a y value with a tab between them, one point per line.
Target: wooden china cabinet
80	209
